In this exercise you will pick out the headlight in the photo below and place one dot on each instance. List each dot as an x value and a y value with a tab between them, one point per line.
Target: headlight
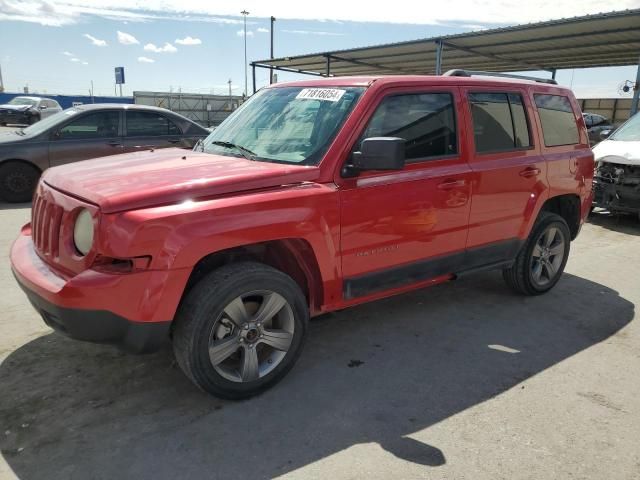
83	232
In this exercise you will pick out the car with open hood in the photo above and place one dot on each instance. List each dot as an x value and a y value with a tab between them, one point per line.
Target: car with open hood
617	178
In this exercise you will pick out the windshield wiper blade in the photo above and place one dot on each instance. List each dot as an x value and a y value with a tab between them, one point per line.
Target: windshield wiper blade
20	132
245	152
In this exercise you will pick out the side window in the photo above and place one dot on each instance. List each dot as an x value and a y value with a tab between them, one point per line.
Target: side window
558	121
426	121
599	120
149	124
588	120
93	125
499	122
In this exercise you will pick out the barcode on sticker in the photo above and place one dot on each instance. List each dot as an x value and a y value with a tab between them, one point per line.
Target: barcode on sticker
328	94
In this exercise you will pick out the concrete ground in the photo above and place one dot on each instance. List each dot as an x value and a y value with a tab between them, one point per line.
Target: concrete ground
461	381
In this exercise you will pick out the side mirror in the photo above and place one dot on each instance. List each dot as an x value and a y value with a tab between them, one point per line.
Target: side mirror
379	153
604	134
42	107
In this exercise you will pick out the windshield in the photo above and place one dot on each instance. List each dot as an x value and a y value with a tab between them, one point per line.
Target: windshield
629	131
44	125
285	124
22	101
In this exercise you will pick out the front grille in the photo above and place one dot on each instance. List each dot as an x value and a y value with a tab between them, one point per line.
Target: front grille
46	218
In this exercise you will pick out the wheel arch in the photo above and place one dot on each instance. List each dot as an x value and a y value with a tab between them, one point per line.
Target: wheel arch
292	256
568	207
21	160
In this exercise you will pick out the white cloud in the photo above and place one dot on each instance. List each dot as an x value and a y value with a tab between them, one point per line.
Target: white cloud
127	39
146	60
188	41
314	32
262	30
68	54
64	12
95	41
240	33
74	59
168	48
85	63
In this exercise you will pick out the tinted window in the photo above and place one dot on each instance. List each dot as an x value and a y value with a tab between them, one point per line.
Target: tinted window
426	121
148	124
499	122
558	121
93	125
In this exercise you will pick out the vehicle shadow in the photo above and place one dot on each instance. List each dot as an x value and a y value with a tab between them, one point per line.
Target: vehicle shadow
13	206
375	373
628	224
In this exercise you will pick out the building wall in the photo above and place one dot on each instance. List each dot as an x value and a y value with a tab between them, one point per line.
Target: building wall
67	101
207	110
617	110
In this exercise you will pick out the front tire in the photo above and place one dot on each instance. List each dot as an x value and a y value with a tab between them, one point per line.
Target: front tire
17	181
541	261
240	330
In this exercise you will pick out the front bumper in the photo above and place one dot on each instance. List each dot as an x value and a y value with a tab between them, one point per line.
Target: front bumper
18	118
615	198
132	310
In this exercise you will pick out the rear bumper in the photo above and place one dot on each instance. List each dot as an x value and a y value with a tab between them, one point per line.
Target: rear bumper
132	310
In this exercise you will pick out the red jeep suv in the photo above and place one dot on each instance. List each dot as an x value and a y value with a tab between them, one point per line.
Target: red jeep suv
312	197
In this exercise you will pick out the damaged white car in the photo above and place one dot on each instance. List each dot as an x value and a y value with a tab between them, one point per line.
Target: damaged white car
616	184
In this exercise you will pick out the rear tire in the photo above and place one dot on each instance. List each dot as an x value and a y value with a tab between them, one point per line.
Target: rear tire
17	181
542	259
240	330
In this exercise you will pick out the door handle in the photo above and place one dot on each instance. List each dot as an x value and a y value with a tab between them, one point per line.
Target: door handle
530	172
449	184
173	140
114	143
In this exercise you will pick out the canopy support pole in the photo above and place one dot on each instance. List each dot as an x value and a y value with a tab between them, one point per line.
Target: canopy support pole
636	92
328	66
253	73
438	57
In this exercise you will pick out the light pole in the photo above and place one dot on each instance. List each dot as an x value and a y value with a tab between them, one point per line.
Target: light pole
244	13
273	19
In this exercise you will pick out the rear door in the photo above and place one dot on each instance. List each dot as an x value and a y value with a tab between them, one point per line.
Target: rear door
406	226
509	172
87	135
146	129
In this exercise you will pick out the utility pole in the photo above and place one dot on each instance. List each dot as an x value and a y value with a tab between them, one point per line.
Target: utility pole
92	101
1	82
246	82
273	19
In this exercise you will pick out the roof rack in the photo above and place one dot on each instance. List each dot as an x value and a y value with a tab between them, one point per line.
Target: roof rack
458	72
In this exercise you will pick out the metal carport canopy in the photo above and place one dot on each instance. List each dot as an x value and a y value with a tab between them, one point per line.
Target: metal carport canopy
601	40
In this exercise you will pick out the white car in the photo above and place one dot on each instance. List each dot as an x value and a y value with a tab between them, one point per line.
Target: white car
616	184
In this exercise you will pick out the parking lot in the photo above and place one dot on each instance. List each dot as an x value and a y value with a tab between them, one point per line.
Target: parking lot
463	380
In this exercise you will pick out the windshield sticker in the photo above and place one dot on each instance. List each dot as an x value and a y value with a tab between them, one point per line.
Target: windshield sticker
326	94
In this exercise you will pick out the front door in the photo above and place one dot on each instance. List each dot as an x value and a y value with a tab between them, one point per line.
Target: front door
406	226
87	135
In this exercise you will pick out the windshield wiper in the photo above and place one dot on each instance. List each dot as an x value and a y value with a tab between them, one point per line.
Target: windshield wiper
245	152
20	132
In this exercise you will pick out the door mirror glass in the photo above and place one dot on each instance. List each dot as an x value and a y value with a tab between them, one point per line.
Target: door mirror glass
380	153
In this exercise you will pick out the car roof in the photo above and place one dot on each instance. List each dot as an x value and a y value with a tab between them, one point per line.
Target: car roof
415	79
123	106
29	97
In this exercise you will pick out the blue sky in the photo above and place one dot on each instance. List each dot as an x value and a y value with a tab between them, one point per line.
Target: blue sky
60	47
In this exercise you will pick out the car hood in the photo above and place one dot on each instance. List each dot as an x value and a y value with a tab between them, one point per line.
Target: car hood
616	151
145	179
18	108
10	137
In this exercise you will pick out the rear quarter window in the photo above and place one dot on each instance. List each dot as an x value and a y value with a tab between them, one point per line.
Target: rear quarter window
558	120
